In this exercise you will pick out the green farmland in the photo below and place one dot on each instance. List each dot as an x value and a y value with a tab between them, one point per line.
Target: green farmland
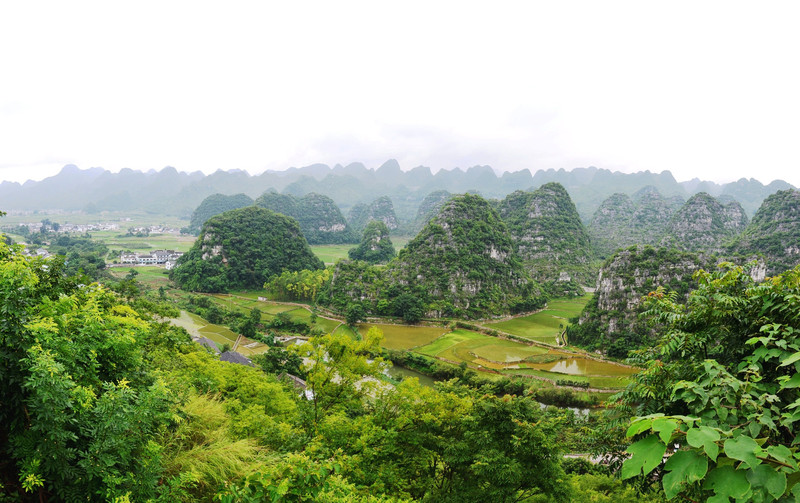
545	325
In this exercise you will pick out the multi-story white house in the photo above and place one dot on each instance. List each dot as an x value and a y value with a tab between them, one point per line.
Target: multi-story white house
154	257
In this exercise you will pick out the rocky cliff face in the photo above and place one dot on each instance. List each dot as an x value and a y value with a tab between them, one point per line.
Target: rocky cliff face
774	232
548	233
704	224
610	322
320	219
381	210
623	221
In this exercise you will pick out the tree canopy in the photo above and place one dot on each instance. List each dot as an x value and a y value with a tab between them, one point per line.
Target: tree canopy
242	249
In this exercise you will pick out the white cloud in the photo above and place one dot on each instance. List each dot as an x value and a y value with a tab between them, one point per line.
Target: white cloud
702	89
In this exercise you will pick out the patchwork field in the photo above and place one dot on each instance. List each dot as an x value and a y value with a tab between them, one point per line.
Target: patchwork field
404	336
545	325
198	327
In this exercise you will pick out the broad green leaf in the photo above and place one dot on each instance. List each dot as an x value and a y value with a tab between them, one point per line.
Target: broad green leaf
706	438
791	359
767	477
646	454
639	426
664	427
685	467
744	449
727	482
782	454
793	382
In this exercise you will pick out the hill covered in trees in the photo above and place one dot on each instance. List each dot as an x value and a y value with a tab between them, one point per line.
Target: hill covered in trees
622	221
427	209
214	205
548	233
610	321
320	219
774	232
381	209
462	264
704	224
241	249
376	245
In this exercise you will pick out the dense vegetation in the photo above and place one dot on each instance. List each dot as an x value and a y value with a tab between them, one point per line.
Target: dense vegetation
548	233
720	391
320	219
380	209
774	232
103	403
610	321
376	245
462	264
214	205
242	249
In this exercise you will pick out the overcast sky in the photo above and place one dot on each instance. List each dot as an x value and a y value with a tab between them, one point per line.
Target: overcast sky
703	89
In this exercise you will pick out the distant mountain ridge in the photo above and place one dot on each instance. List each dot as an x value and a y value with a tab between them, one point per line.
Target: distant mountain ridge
178	193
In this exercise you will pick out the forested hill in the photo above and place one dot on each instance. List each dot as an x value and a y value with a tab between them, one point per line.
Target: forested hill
242	249
705	224
320	219
214	205
381	210
463	264
548	233
623	221
179	193
774	232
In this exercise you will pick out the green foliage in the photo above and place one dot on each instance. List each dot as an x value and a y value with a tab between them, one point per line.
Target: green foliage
320	219
202	449
298	285
277	360
240	249
612	321
774	232
214	205
80	410
355	313
730	378
463	263
376	245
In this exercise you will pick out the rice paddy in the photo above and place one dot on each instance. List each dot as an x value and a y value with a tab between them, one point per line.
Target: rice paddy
545	325
199	327
404	336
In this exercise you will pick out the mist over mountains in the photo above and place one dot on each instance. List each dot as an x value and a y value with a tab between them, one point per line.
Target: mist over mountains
173	192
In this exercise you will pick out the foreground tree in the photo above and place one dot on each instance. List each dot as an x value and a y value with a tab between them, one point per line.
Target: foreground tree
722	386
78	408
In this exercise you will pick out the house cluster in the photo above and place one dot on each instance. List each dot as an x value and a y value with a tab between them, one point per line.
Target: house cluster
167	258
